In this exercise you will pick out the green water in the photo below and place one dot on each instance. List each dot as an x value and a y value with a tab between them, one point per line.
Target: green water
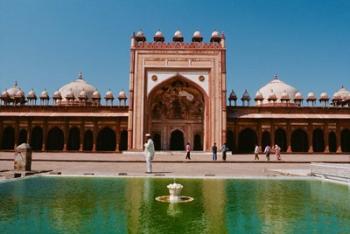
112	205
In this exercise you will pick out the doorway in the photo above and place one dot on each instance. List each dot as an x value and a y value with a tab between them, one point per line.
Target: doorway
177	140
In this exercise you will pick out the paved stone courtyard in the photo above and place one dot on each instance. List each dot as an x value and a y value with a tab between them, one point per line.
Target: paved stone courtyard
172	164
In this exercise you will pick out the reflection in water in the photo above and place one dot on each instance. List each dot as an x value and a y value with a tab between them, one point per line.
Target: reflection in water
174	209
108	205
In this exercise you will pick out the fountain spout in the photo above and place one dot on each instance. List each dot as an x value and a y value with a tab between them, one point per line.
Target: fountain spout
175	192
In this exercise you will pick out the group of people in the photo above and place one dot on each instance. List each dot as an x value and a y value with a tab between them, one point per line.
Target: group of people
214	150
149	152
267	151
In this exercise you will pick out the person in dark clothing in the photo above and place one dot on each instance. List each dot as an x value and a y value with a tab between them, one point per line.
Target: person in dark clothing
224	149
214	150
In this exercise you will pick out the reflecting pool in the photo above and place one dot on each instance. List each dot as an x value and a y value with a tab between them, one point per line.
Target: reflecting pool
128	205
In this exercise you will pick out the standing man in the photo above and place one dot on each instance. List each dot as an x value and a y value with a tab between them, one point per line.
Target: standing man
188	151
224	149
278	152
214	150
267	152
256	152
149	152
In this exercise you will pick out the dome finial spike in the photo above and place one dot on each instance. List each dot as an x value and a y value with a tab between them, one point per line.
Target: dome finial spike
80	76
15	85
275	77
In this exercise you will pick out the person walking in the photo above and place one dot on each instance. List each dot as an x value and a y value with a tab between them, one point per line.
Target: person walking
214	150
224	149
188	151
149	152
256	152
267	152
278	152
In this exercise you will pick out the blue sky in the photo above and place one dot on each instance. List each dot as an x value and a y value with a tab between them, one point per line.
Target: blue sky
46	43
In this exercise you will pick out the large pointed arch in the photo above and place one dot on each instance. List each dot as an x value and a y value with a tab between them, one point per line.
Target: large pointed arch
173	102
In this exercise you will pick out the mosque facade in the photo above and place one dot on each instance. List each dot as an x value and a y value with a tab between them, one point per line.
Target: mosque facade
177	93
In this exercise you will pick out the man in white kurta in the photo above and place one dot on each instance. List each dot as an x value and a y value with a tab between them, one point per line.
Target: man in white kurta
149	152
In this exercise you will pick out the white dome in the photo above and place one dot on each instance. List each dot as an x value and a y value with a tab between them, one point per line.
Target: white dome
311	96
343	93
122	95
158	34
44	94
324	96
139	34
75	87
298	96
197	34
109	95
278	88
13	90
178	34
5	94
31	94
57	95
96	95
215	34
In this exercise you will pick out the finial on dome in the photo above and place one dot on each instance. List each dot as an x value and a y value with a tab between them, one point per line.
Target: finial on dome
275	77
15	84
80	76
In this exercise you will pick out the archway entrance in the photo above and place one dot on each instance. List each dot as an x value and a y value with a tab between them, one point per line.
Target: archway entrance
230	141
74	139
123	141
55	139
299	141
37	138
177	103
8	138
345	140
266	139
281	139
332	138
246	140
88	140
157	141
197	142
22	138
177	140
106	140
317	140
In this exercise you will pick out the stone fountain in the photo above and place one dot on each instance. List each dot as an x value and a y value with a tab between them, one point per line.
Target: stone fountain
174	194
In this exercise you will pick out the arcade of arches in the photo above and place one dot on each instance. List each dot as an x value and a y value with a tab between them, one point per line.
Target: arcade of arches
69	138
176	116
301	139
